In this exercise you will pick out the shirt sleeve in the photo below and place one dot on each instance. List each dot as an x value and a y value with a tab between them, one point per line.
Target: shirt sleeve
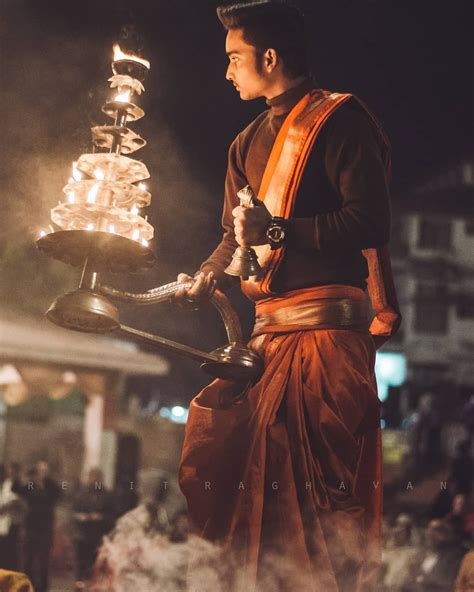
354	167
222	255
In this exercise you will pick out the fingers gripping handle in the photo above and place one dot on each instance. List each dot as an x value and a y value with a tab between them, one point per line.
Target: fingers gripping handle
246	197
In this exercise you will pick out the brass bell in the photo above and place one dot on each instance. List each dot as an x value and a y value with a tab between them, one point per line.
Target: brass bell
244	263
244	260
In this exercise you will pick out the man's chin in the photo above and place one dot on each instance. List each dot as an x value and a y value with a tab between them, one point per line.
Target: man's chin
245	96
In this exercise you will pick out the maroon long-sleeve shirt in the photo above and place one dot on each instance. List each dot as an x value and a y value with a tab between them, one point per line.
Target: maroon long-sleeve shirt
342	204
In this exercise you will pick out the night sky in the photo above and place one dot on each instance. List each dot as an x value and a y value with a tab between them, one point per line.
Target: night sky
411	62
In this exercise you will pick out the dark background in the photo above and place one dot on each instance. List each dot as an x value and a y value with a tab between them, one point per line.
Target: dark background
411	62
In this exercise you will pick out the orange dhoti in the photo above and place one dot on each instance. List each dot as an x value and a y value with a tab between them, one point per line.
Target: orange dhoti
289	477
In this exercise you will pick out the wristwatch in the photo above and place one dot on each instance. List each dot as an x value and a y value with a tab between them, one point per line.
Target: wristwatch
277	231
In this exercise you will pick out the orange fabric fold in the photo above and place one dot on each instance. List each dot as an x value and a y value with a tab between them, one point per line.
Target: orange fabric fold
291	475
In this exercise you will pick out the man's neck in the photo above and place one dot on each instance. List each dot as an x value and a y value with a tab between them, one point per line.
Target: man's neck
282	86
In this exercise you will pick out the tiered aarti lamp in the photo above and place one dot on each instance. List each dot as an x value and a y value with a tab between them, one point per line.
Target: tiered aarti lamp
99	227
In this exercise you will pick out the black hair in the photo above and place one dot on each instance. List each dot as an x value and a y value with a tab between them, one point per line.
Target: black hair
275	24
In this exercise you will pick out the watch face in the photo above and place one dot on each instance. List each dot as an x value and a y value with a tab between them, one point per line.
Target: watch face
276	233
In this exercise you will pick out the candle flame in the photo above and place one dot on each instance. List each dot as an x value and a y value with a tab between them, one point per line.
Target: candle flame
90	227
142	186
120	55
93	193
144	242
98	174
123	97
42	233
76	173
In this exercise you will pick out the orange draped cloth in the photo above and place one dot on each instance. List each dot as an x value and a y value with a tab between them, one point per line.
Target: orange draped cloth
292	471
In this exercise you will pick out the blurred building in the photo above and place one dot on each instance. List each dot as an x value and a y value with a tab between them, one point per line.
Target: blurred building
433	260
62	400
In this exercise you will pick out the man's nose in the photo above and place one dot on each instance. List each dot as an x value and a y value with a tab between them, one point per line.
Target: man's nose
228	73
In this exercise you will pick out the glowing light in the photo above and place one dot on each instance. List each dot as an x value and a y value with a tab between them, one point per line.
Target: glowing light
134	209
123	97
144	242
112	228
178	411
76	173
42	233
121	55
135	234
71	197
91	196
176	414
390	370
90	227
142	186
98	174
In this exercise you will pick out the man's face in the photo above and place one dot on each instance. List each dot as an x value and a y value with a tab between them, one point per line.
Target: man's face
245	69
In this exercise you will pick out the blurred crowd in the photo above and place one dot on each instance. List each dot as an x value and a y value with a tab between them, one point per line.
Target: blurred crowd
436	555
113	532
28	501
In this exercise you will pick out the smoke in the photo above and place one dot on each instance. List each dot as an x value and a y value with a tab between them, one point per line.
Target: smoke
134	562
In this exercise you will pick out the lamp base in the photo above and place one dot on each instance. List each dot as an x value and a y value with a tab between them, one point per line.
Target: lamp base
235	362
84	310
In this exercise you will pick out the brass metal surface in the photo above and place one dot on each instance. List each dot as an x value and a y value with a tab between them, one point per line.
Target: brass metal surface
106	251
84	310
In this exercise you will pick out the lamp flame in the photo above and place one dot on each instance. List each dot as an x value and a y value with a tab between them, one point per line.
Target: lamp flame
120	55
123	97
76	173
93	193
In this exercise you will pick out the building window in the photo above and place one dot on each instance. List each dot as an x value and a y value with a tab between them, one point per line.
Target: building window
434	233
469	227
465	306
431	309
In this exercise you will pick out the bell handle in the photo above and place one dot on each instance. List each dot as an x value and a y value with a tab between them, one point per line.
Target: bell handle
166	292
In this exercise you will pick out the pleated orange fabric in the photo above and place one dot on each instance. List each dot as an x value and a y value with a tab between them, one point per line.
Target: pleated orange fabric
293	470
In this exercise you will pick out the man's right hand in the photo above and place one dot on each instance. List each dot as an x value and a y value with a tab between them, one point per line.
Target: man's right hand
200	292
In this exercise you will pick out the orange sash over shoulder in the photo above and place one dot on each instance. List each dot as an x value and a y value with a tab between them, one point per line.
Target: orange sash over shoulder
278	190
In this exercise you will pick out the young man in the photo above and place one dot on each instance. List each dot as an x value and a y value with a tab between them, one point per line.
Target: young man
292	471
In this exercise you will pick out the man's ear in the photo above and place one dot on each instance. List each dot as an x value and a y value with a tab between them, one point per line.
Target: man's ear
270	59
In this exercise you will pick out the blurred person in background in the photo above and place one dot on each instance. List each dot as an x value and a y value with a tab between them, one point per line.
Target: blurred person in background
425	434
462	468
12	511
437	566
93	515
399	555
41	494
461	519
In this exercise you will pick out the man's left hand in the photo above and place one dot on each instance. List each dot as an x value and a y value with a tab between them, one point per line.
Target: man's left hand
250	224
